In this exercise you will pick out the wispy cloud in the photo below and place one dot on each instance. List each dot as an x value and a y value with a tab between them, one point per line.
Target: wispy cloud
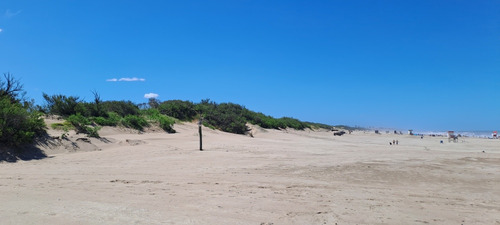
1	30
127	79
9	14
151	95
132	79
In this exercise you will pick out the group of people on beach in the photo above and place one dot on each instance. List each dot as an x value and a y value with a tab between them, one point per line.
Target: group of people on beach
394	142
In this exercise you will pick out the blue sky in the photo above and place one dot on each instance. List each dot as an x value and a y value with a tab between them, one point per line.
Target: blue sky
429	65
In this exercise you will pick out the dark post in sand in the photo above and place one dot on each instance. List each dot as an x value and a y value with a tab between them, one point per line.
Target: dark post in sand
199	131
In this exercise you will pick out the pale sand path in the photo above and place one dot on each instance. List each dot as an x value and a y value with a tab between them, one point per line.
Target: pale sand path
294	177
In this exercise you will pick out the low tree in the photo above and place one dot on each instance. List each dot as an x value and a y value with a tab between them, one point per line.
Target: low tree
97	109
11	88
153	103
19	122
182	110
61	105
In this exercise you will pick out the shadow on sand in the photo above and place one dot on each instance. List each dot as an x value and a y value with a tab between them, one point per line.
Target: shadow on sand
26	152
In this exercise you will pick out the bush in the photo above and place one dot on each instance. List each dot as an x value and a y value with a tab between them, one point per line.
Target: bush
122	108
292	123
92	131
78	121
166	124
62	105
82	125
62	126
11	89
182	110
112	119
18	125
135	122
84	108
227	117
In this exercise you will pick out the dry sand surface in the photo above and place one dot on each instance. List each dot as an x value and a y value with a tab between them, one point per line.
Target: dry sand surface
277	177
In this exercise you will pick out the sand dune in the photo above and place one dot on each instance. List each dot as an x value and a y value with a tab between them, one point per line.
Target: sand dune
277	177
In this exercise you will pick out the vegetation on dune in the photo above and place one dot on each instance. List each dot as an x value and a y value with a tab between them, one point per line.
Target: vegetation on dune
20	123
87	117
182	110
121	108
165	122
135	122
21	120
228	117
61	105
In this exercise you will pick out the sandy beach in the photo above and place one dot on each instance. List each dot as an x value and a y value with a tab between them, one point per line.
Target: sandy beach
276	177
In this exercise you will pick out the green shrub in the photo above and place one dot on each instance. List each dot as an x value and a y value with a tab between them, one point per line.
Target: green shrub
226	117
154	116
135	122
208	125
18	125
112	119
151	114
82	125
62	126
78	121
292	123
92	131
166	124
11	88
182	110
103	121
84	108
62	105
122	108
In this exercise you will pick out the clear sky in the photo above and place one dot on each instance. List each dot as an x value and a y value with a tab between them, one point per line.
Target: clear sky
423	64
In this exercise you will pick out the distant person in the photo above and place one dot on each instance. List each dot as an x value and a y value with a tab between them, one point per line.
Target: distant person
397	142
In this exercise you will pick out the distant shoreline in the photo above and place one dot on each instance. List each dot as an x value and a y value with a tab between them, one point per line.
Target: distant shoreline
476	134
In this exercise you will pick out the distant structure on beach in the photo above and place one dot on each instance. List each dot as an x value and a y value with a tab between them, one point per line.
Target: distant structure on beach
452	136
410	132
494	134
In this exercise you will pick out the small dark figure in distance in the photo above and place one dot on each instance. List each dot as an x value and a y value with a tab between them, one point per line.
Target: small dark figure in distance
340	133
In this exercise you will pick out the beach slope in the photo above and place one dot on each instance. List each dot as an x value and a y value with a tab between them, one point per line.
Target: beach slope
276	177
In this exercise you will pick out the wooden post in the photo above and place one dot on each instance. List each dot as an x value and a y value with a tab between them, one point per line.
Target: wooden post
199	131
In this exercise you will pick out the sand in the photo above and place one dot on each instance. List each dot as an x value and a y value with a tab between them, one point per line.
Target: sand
277	177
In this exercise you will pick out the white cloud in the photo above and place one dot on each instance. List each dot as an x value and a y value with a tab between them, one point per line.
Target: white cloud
1	30
9	14
151	95
132	79
127	79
